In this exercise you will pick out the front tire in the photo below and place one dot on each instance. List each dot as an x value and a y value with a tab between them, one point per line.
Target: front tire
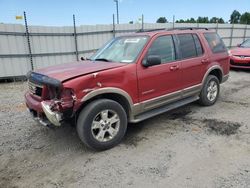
102	124
210	91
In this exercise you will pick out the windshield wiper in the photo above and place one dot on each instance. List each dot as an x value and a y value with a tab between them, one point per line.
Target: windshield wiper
102	59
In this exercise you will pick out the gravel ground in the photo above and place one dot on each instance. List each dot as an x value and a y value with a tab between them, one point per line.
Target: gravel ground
192	146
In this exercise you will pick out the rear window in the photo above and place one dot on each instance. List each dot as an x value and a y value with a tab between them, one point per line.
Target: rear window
215	42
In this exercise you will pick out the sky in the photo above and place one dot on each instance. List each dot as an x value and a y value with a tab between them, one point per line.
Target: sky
91	12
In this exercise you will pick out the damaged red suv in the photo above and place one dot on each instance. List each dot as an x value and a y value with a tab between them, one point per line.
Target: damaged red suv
130	79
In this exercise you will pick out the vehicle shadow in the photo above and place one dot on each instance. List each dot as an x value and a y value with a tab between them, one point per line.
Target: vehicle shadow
65	138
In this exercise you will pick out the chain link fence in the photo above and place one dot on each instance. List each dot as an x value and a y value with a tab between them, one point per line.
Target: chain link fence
25	47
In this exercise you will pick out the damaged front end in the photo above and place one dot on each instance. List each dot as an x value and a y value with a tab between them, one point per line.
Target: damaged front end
61	107
53	103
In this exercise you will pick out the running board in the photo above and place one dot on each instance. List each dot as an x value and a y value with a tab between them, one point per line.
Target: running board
163	109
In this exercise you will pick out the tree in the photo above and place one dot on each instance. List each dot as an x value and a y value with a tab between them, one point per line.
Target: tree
180	21
221	20
161	20
235	17
245	18
192	20
202	20
131	22
216	20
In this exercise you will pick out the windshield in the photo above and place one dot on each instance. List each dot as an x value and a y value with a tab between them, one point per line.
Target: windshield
121	49
246	44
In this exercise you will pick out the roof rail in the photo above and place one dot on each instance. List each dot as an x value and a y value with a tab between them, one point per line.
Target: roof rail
171	29
149	30
188	28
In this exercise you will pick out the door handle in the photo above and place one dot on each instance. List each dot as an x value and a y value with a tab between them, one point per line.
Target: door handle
174	68
205	60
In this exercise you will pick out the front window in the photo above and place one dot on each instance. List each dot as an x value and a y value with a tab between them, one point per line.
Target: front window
163	47
246	44
121	49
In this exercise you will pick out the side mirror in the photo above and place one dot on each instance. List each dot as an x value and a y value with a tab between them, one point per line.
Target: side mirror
151	61
238	45
83	59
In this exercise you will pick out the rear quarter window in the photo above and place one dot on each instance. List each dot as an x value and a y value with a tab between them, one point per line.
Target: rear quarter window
215	43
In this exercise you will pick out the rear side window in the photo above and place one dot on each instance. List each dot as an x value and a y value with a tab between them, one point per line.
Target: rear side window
187	46
215	42
163	47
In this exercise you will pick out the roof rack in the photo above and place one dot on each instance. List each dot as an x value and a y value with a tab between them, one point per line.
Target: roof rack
188	28
150	30
178	28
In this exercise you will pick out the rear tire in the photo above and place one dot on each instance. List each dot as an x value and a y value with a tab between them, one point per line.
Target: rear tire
210	91
102	124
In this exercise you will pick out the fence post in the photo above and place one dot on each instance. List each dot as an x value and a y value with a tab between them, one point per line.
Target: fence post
173	20
75	36
28	40
231	35
245	33
217	26
113	26
142	22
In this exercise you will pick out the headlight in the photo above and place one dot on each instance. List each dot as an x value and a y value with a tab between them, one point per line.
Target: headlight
229	53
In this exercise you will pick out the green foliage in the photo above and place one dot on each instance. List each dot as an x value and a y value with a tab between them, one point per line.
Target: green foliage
203	20
161	20
216	20
245	18
235	17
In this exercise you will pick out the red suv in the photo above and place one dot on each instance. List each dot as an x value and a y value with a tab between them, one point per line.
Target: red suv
130	79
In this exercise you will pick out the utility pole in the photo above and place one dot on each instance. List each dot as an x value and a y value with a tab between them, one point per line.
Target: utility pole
117	11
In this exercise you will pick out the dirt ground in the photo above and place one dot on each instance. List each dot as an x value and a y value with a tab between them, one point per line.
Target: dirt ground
192	146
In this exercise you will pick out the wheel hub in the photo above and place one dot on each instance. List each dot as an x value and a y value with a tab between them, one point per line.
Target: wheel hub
105	125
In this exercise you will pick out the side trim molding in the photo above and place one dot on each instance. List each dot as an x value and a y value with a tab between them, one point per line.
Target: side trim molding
105	90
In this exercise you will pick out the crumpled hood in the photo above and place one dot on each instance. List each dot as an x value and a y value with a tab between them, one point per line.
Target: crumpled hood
240	51
70	70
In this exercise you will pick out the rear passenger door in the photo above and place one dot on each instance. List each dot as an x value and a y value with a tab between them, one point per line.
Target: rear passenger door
193	62
158	84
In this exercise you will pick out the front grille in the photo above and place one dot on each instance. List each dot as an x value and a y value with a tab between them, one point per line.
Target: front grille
35	89
239	64
242	56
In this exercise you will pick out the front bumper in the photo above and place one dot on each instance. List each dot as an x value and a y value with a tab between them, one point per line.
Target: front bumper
53	117
238	62
41	111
